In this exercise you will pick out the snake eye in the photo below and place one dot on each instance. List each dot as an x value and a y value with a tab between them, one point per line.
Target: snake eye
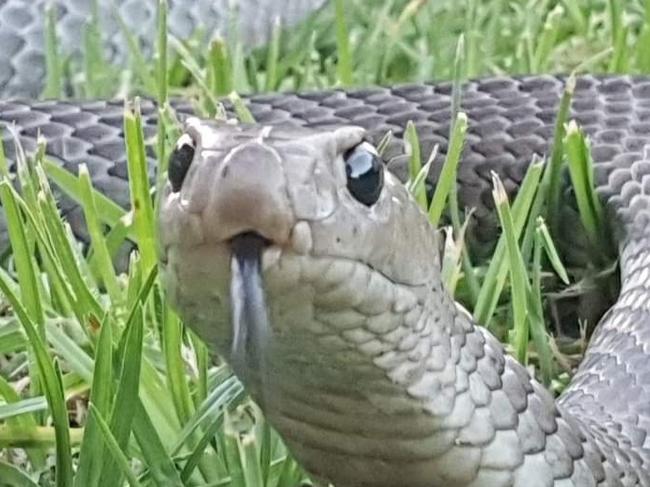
365	173
180	161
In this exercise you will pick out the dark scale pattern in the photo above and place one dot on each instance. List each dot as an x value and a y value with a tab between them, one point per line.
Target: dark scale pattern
603	419
88	132
510	121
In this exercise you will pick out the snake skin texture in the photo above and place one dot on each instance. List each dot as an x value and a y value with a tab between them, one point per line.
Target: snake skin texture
22	31
510	121
497	426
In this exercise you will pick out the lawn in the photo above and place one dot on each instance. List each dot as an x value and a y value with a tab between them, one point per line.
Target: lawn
101	384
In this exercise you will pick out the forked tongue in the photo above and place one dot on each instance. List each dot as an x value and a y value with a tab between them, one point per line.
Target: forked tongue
251	331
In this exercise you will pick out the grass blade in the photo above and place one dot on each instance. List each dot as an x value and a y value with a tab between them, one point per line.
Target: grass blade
557	155
221	77
519	285
14	477
619	38
115	450
91	453
578	152
538	333
551	252
243	113
272	57
344	63
548	39
97	238
162	70
496	274
21	422
161	466
51	378
141	200
448	173
642	51
108	212
175	365
126	396
53	62
22	253
416	175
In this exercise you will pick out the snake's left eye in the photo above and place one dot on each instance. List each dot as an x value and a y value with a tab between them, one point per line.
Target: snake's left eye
365	173
179	161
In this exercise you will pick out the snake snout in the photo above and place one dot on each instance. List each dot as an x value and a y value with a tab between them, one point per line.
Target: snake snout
249	196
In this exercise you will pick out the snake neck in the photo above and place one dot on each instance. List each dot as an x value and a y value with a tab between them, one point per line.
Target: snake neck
431	398
422	394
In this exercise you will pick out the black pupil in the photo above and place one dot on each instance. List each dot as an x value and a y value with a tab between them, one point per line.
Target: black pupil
365	175
179	163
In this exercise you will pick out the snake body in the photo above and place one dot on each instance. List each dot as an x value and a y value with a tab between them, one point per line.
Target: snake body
377	377
23	31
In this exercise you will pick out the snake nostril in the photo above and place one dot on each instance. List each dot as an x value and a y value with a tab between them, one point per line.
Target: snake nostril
180	160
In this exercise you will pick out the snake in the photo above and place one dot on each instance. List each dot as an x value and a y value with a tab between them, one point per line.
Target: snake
363	361
294	250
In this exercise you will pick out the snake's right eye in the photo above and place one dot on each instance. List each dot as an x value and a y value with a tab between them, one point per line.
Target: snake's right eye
180	161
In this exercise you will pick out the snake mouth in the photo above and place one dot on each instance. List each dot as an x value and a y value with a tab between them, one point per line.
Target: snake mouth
247	244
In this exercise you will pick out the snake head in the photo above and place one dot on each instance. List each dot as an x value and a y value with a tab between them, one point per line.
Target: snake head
330	216
299	259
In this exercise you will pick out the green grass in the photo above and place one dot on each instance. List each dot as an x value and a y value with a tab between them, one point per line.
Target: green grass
101	384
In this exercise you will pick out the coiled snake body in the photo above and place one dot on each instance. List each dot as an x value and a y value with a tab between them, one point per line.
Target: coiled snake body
371	372
23	30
